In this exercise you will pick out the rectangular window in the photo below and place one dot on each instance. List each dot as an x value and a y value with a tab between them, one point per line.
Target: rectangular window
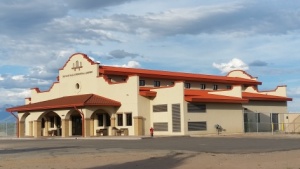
196	108
215	87
156	83
142	83
120	119
107	120
128	119
58	121
100	120
197	126
162	126
187	85
203	86
160	108
52	122
228	87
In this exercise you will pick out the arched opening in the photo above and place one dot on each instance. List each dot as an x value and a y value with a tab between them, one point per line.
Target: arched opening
101	122
22	125
75	122
50	124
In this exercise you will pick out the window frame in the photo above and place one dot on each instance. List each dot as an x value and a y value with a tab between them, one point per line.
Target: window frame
128	119
187	85
215	87
120	119
142	83
203	86
156	83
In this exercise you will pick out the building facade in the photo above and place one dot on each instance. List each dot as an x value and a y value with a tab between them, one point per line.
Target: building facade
90	99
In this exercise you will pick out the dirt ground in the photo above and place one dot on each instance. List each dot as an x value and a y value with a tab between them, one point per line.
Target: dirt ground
153	159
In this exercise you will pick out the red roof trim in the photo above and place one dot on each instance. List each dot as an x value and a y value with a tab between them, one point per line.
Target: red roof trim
174	75
67	102
264	97
206	97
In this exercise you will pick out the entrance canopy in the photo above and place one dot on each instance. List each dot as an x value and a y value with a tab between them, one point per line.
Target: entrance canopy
67	102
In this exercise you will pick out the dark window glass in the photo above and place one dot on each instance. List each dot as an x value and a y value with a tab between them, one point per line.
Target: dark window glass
156	83
120	119
203	86
128	119
58	121
100	119
228	87
142	83
187	85
52	122
43	123
215	87
160	108
107	118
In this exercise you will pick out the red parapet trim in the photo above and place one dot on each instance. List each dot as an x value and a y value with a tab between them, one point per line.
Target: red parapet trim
209	100
84	56
111	83
148	93
174	75
244	72
29	98
39	91
273	90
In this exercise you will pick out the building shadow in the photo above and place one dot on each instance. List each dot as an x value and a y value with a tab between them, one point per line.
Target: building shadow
169	161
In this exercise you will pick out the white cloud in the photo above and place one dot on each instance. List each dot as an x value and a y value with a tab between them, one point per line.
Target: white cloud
14	96
132	64
234	64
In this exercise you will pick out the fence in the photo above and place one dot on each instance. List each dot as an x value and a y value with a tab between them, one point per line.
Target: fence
287	128
8	129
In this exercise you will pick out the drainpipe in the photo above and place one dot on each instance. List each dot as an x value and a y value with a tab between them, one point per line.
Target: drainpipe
17	119
82	116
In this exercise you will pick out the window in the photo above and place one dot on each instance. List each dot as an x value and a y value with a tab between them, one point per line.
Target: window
215	87
142	83
160	108
128	119
187	85
107	120
162	126
120	119
156	83
100	120
196	108
43	123
52	122
203	86
197	126
58	122
228	86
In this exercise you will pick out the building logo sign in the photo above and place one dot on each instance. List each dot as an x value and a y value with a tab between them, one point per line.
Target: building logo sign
77	65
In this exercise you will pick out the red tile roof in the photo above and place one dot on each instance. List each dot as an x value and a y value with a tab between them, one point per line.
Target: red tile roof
67	102
205	97
111	70
264	97
146	91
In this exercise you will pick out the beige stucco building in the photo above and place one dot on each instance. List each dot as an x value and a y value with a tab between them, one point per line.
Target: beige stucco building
89	99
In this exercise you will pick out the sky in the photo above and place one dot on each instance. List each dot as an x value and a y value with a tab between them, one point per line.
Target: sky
198	36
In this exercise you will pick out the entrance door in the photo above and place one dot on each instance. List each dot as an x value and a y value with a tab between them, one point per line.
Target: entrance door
275	121
76	125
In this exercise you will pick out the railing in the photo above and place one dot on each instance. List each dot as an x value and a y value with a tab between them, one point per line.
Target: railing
8	129
287	128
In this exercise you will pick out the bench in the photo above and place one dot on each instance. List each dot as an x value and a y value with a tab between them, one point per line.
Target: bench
102	132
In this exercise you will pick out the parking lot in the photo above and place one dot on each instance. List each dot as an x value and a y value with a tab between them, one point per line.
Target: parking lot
142	152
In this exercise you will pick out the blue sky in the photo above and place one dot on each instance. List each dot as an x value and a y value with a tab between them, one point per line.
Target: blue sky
209	37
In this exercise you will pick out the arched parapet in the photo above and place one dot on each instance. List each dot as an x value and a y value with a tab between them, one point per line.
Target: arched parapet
240	74
278	91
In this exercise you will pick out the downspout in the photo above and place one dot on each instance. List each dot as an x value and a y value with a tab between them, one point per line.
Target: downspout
17	119
82	116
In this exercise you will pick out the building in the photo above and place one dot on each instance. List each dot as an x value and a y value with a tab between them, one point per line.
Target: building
89	99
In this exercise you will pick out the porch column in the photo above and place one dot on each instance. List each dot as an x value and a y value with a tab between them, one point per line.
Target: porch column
21	129
30	128
87	127
112	124
92	128
138	125
37	128
64	127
